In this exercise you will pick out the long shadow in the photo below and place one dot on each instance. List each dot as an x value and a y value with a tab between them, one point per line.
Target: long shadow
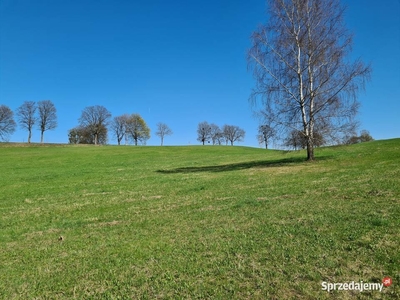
237	166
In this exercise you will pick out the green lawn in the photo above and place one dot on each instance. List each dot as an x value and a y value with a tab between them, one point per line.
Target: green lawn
197	222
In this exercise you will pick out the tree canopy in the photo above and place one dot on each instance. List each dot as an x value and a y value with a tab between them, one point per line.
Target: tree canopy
47	117
94	119
27	116
84	135
233	133
137	129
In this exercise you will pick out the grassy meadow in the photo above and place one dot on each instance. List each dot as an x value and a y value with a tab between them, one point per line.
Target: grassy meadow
197	222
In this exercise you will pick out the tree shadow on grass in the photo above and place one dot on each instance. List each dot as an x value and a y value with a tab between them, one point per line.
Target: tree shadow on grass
238	166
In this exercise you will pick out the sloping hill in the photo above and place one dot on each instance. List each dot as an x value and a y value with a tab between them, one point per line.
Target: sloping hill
197	222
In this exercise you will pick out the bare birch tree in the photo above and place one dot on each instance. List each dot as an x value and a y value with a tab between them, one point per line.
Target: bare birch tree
27	117
162	131
303	76
47	117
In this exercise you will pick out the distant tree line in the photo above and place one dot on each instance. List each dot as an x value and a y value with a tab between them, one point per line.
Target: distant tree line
96	122
212	133
93	124
355	139
42	114
296	140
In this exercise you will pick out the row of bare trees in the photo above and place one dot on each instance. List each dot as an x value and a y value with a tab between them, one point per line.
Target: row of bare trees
296	140
95	121
42	114
212	133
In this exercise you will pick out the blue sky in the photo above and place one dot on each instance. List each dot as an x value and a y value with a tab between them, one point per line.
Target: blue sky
177	62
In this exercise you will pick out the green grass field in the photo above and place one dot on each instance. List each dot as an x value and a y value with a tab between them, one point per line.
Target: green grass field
197	222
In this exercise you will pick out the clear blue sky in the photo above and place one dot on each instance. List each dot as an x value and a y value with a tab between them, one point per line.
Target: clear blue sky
178	62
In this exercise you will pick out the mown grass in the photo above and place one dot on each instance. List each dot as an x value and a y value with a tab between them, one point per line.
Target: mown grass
197	222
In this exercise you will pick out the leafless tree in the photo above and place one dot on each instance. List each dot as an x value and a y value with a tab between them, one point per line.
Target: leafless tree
95	118
299	60
118	127
265	134
47	117
7	123
162	131
233	133
219	138
203	132
27	117
215	134
137	129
